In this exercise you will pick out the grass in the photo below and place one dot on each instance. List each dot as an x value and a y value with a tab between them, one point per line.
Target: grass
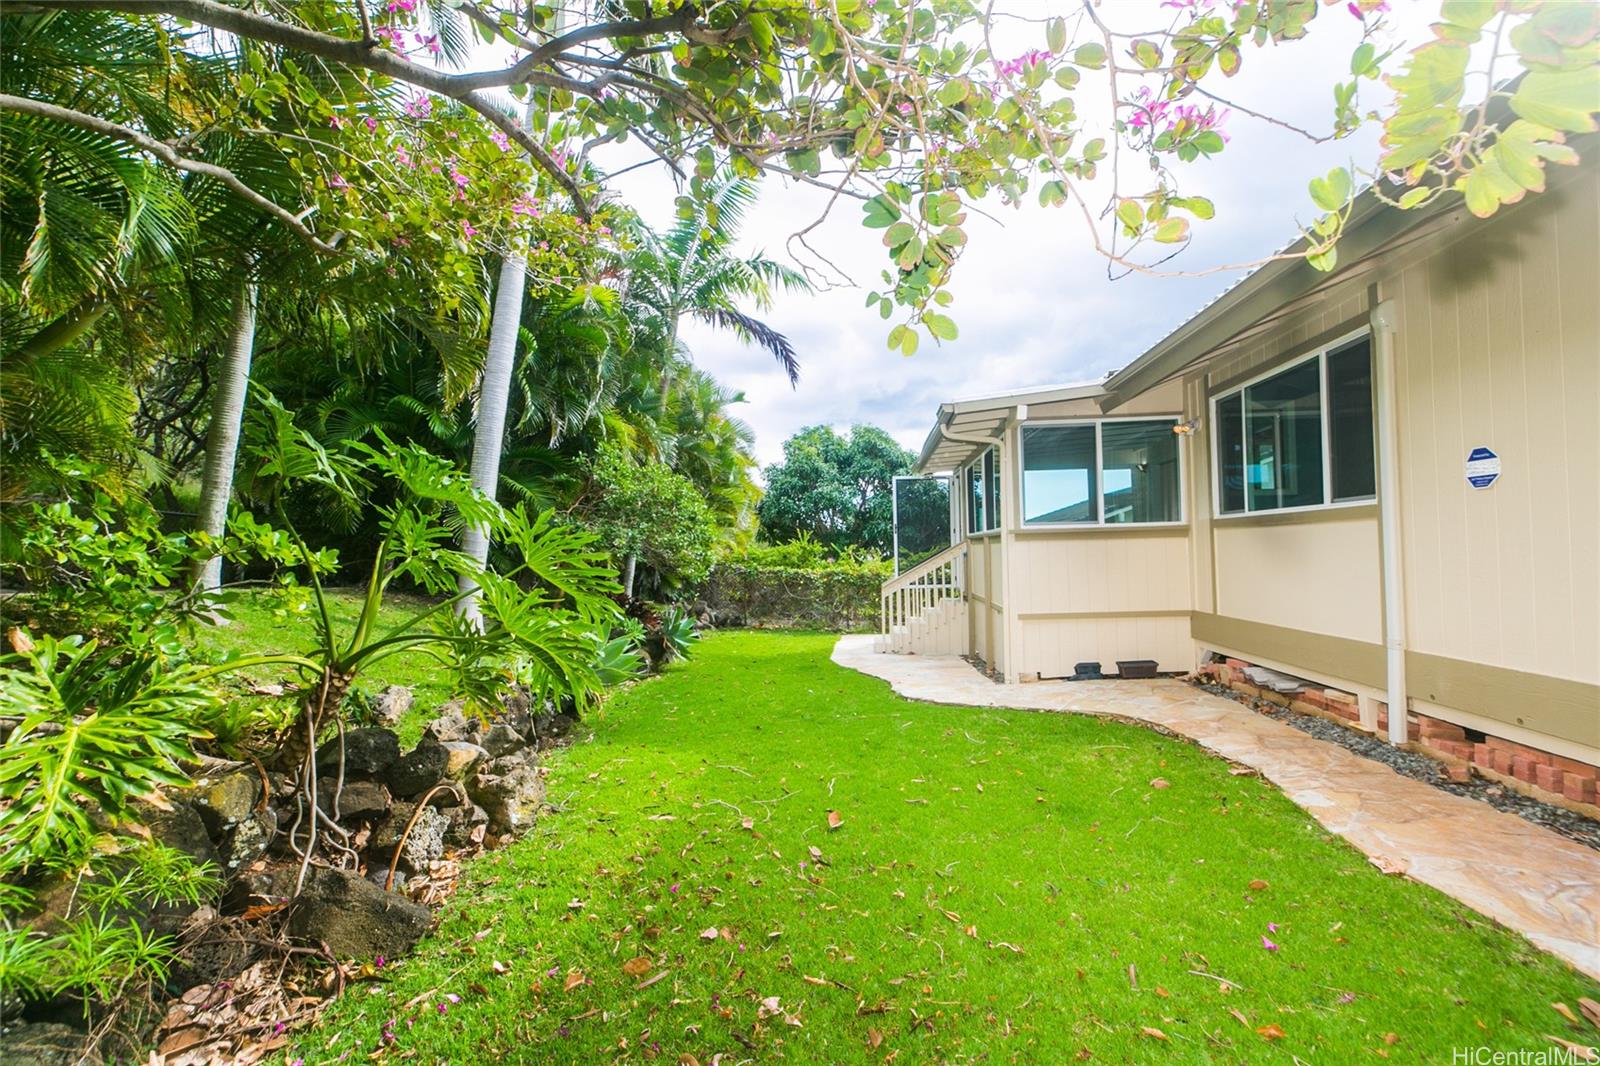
260	626
1003	887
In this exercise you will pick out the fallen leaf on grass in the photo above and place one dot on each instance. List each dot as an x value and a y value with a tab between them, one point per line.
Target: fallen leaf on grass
709	933
1565	1011
808	979
1271	1032
874	1039
687	1059
1388	865
1580	1052
1160	782
574	979
1391	1039
637	966
1239	1016
1152	1032
1590	1009
835	819
1259	885
499	967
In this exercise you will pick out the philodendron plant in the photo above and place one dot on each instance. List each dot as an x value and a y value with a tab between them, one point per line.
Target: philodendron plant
543	619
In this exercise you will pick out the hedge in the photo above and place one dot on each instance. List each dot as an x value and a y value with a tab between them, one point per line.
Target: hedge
838	597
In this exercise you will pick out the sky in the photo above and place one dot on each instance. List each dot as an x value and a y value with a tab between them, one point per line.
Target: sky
1033	300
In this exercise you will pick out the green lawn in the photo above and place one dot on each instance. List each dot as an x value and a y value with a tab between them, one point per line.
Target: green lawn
1003	887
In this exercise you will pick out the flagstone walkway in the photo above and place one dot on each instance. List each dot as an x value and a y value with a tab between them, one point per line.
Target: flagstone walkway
1528	878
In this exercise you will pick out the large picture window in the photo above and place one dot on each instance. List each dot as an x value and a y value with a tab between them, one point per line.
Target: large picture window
1100	473
1298	437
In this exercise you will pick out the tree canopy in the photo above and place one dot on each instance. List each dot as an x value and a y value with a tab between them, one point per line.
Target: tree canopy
834	489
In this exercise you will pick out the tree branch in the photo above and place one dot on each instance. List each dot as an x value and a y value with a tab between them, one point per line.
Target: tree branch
169	155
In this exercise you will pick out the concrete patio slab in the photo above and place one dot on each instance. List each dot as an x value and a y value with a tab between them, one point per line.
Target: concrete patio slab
1528	878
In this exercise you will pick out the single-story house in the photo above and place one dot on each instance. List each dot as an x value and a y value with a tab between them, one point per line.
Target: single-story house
1382	482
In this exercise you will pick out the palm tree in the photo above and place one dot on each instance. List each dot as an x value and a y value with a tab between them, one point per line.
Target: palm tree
691	271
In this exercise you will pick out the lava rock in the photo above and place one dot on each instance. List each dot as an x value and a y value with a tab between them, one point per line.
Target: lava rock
502	739
356	918
392	703
453	723
463	820
367	752
379	875
179	826
224	800
423	844
246	842
358	799
511	791
419	769
47	1044
461	758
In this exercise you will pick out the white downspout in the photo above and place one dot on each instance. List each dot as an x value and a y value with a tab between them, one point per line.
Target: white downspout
1012	493
1394	598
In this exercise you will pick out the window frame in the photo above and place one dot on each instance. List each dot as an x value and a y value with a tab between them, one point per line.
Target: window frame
965	473
1099	524
1320	354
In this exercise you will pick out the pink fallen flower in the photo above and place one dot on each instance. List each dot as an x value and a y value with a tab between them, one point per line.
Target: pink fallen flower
1269	945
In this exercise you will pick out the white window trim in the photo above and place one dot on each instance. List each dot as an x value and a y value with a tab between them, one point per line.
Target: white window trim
1100	523
1329	504
966	496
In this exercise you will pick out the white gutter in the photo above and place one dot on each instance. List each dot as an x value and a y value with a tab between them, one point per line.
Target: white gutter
1394	597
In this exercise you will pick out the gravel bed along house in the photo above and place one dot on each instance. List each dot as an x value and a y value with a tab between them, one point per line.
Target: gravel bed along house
1411	764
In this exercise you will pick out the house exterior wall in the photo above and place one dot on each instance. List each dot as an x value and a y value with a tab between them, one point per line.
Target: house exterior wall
1496	344
986	607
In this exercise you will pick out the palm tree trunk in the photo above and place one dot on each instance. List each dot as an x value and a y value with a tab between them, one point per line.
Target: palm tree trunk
222	436
494	390
628	569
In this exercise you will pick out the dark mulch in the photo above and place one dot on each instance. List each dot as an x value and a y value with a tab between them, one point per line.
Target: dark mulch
1569	824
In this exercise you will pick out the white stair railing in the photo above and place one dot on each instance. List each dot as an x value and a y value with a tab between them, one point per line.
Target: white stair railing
924	587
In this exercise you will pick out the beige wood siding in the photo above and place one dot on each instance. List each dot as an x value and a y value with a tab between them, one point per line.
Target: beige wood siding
1317	576
984	615
1498	344
1102	596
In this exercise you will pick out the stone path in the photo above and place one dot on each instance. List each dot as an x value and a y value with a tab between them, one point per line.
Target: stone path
1528	878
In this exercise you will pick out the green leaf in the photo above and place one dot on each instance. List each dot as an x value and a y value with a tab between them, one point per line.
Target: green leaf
1414	197
1200	207
1067	77
1131	214
898	234
1361	60
1172	230
1209	142
952	92
1091	55
1146	54
1228	60
1055	35
881	212
1052	194
1324	261
941	326
1564	99
1331	192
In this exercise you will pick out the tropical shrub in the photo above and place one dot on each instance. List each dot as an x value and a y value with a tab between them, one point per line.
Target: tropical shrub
645	513
94	728
795	586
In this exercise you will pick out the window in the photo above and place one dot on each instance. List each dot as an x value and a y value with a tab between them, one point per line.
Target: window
975	498
1140	463
1352	455
1116	472
1299	437
991	478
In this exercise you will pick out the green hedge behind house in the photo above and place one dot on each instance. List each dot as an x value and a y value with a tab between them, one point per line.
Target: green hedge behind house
826	595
